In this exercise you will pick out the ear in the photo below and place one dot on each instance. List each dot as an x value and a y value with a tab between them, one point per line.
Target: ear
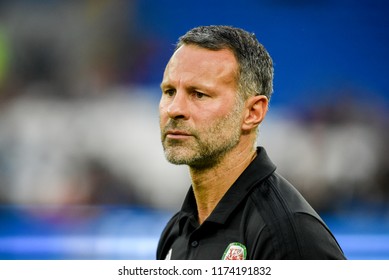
255	111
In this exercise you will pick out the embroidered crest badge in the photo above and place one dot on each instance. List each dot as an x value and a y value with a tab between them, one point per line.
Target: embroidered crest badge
235	251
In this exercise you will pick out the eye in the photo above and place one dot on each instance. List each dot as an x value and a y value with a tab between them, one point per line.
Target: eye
169	92
199	95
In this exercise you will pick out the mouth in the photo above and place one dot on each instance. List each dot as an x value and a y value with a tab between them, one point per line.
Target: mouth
177	134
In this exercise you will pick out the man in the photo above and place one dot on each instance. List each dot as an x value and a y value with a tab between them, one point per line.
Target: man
215	93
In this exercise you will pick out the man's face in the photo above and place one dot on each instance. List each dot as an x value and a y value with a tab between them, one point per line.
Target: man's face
200	118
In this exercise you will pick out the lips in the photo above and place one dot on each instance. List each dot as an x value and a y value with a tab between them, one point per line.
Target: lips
177	134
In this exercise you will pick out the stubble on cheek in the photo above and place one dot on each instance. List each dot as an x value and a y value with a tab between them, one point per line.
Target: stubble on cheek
207	145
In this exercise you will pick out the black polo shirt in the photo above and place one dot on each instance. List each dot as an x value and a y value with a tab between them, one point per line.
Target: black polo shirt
262	216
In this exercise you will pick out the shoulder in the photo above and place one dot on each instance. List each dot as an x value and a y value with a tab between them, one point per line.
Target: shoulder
278	197
291	228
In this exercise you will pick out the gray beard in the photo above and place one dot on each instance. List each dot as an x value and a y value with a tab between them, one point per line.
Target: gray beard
202	156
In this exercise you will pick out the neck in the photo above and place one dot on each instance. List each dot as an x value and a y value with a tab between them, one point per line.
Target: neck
210	185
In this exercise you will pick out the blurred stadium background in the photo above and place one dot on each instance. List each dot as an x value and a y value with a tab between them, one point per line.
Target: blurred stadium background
82	173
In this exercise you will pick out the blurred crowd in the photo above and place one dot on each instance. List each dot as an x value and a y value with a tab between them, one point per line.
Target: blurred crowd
75	126
334	151
79	126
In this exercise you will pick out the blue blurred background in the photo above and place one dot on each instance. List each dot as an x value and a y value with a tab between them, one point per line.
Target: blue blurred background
82	173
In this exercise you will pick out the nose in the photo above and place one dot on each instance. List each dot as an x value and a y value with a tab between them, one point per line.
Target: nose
178	107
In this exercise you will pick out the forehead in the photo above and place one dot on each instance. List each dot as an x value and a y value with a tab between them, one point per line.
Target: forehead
191	62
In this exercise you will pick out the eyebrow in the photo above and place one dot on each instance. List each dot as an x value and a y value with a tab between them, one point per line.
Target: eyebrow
165	84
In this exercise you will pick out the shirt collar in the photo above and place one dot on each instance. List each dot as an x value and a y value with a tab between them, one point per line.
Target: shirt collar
260	168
